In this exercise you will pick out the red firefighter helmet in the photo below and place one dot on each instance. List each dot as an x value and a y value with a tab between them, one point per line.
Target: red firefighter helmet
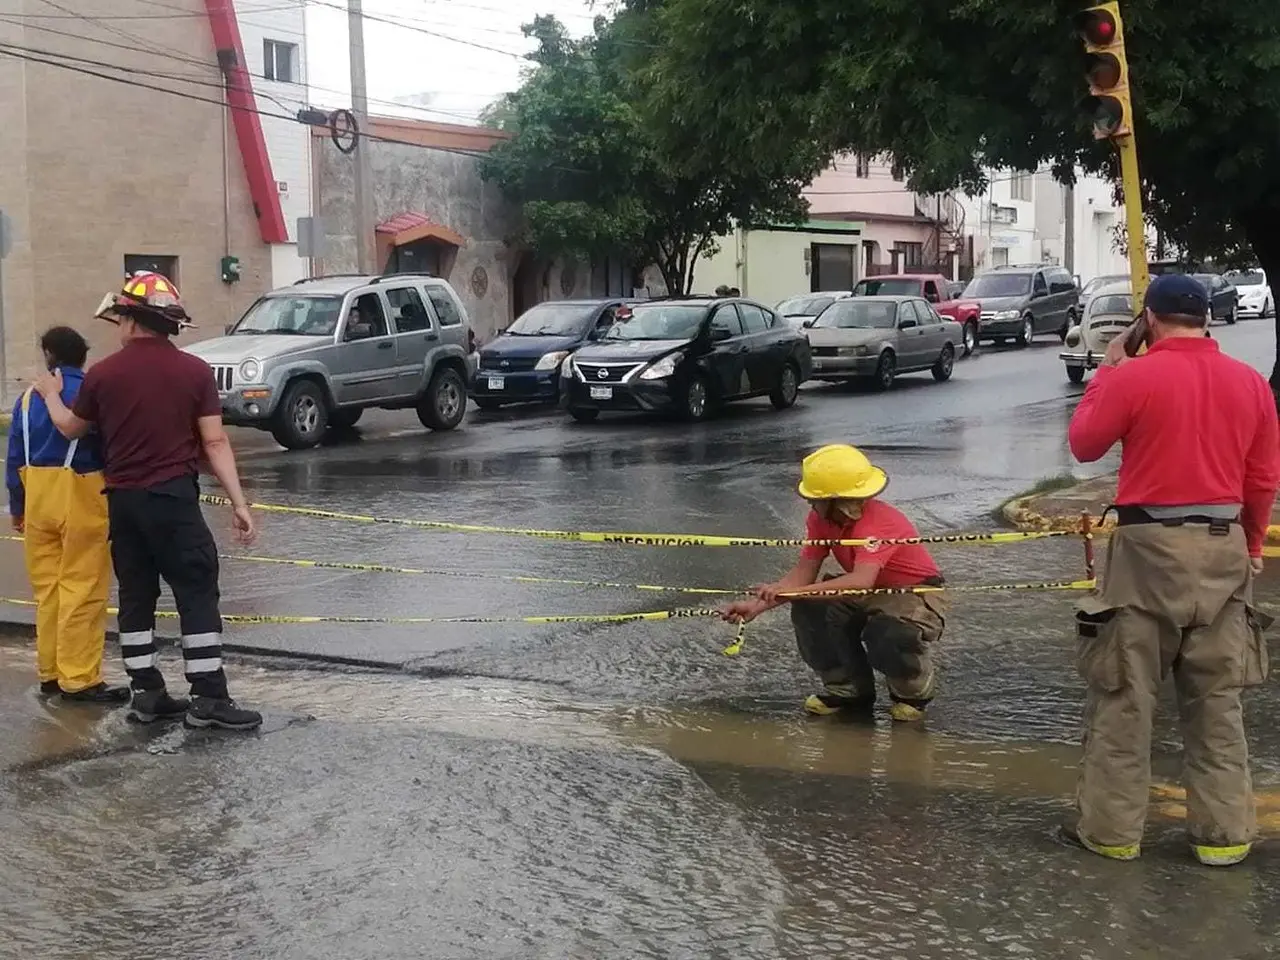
149	298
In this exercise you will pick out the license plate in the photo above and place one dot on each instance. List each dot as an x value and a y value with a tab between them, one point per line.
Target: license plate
602	393
497	383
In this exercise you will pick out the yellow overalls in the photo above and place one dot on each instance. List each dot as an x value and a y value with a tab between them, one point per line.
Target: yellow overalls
69	564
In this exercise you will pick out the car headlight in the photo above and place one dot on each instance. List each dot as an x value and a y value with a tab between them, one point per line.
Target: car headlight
859	351
552	360
566	367
250	370
1007	315
661	369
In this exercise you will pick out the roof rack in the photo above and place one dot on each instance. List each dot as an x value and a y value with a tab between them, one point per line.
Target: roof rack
329	276
400	276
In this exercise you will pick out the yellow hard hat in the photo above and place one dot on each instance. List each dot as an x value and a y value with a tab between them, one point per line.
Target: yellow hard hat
840	472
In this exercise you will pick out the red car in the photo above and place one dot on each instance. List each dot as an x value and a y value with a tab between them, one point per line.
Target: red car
933	287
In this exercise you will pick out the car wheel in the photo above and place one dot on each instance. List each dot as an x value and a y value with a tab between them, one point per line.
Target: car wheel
1071	322
583	414
345	419
886	370
1234	315
1027	333
445	402
696	402
302	417
1075	373
487	403
970	338
946	364
788	389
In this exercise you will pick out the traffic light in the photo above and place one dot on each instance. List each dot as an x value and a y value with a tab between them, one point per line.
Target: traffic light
1107	70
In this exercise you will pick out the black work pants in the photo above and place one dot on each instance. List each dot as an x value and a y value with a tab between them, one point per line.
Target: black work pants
161	532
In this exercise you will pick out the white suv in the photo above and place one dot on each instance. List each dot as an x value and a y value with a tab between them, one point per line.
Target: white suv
1255	294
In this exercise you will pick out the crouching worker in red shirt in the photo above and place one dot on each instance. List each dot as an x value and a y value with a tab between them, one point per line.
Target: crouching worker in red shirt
844	639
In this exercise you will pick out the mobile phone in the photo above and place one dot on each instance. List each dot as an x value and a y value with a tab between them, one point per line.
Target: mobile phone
1135	338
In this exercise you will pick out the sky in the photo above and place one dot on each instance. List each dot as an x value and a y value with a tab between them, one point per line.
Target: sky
449	57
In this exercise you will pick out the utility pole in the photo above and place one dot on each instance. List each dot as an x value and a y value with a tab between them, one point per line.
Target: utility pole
360	108
1069	228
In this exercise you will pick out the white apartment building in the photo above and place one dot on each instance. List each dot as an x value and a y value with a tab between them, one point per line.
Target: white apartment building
274	42
1023	218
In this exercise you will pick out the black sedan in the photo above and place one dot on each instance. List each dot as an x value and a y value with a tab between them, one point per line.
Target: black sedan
1224	299
687	356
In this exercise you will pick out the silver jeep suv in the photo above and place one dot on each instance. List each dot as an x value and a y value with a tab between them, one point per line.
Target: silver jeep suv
321	352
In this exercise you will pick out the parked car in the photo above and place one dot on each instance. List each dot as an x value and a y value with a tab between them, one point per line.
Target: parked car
321	352
796	310
1018	303
1223	299
523	362
687	356
1254	293
1107	314
877	338
1093	286
937	290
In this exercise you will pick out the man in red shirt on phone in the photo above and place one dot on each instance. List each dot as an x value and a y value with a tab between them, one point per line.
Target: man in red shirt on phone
845	639
1199	468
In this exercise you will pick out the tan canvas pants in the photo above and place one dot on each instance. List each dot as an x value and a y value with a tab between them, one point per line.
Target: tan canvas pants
1174	600
845	640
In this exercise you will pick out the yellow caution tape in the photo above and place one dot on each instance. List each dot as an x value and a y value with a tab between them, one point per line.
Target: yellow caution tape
650	539
971	588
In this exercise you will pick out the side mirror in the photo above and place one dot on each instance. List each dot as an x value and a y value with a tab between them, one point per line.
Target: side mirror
809	322
719	333
357	331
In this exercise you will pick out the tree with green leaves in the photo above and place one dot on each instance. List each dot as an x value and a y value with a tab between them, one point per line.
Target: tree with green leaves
952	87
592	178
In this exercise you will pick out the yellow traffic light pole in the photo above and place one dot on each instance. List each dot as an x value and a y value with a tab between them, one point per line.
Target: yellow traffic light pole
1135	225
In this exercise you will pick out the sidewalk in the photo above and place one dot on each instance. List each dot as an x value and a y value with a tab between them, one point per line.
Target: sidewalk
1062	509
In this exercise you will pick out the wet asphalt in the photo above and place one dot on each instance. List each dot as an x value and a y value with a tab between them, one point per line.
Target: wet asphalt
507	790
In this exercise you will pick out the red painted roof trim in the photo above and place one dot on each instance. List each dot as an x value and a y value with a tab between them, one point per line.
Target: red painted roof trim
248	125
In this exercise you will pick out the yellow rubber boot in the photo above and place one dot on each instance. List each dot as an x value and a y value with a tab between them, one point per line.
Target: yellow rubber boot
1221	856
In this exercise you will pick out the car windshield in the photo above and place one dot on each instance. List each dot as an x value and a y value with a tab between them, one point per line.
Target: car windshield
1112	303
294	316
900	286
808	306
553	320
1247	278
856	315
666	321
999	285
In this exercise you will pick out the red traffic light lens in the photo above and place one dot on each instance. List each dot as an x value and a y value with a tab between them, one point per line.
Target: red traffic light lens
1098	28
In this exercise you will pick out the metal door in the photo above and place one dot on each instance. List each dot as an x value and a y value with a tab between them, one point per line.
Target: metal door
415	336
728	357
364	364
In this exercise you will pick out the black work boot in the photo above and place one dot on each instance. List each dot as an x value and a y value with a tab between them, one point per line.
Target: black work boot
152	705
221	713
49	688
99	693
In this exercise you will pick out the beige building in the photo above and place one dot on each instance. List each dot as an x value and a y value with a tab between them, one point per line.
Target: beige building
118	154
773	264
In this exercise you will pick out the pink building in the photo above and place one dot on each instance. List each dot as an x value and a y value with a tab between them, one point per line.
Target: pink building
904	231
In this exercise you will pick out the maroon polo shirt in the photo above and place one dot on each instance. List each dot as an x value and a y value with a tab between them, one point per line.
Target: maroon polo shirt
145	400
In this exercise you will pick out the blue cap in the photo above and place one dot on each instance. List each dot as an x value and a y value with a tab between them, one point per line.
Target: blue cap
1177	293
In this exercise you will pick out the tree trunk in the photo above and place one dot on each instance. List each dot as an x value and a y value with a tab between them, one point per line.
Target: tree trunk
1260	228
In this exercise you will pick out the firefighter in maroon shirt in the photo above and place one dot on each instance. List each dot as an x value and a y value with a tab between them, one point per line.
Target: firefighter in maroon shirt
1198	475
158	411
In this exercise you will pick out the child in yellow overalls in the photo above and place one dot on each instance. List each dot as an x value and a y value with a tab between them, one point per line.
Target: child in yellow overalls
56	500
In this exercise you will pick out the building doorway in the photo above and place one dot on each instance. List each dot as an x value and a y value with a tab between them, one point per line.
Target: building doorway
834	266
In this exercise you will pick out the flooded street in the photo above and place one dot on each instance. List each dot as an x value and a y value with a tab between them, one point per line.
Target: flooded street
583	791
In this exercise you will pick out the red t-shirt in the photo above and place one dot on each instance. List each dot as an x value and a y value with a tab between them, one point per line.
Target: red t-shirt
145	400
1195	427
900	566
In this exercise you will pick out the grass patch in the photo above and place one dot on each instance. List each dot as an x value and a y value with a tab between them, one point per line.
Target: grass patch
1045	485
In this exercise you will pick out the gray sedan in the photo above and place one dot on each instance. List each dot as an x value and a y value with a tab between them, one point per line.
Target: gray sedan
877	338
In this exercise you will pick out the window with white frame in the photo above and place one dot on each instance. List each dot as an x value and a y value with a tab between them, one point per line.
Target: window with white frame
280	61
